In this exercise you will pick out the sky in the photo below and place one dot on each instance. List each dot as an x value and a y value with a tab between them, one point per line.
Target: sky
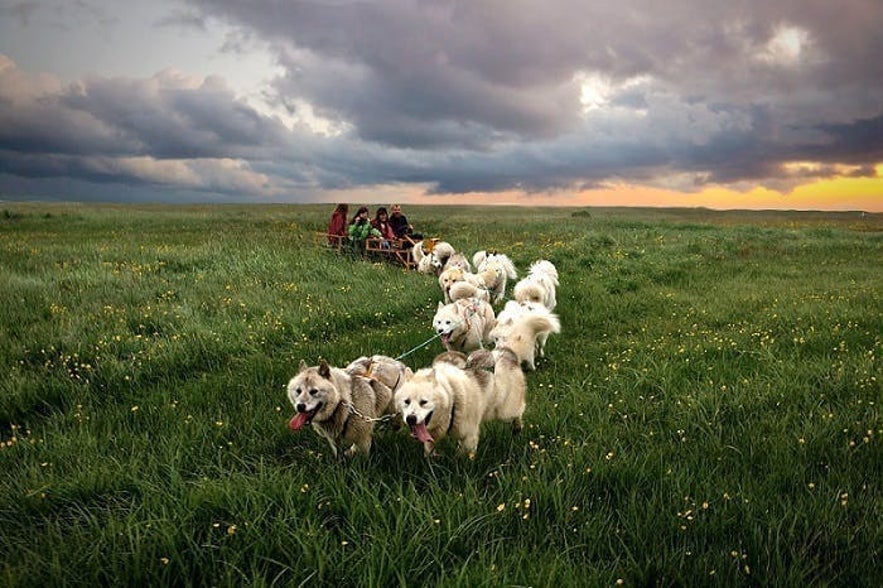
757	104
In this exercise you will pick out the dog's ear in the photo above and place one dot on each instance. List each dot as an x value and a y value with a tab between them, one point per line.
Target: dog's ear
302	366
440	304
324	369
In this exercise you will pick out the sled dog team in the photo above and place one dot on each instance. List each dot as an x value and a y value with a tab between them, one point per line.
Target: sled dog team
477	378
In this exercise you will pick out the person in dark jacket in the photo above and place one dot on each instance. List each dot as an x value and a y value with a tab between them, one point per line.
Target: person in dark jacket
400	225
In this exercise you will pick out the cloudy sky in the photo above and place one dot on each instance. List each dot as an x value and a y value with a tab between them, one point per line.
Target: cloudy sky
750	104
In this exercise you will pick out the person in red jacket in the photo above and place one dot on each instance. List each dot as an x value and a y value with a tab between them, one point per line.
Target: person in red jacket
382	224
338	224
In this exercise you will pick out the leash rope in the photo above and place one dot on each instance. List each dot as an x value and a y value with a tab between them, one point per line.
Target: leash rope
355	411
434	337
424	344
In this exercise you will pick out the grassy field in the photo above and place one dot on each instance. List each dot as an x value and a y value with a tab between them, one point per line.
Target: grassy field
710	414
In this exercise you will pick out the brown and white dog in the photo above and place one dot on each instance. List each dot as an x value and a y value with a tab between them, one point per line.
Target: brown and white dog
340	407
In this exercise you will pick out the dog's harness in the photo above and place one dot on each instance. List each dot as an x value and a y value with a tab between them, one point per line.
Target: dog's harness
468	310
451	422
370	374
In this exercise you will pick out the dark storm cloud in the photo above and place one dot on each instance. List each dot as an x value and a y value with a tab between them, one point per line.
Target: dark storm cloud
483	75
485	96
20	11
169	119
165	117
856	142
167	130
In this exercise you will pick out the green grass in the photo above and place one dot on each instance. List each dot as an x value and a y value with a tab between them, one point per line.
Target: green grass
710	414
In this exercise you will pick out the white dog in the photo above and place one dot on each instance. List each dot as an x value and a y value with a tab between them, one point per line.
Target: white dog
431	255
539	285
447	400
340	407
495	270
524	327
452	276
457	260
464	325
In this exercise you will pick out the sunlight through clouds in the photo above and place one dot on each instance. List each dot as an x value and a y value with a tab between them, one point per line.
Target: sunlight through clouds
786	47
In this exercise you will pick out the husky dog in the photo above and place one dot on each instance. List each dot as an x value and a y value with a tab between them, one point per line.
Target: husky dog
495	270
446	400
458	260
342	408
526	333
513	313
387	370
539	285
452	276
464	325
431	255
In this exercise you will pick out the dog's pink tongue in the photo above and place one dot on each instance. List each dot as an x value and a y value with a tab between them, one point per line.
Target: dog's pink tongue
421	433
298	421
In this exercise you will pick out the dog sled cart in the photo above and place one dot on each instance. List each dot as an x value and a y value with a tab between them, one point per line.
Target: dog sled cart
397	251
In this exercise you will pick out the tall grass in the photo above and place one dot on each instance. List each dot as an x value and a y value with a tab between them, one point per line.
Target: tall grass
710	414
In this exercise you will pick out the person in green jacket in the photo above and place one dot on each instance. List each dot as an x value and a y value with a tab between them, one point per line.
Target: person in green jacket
360	229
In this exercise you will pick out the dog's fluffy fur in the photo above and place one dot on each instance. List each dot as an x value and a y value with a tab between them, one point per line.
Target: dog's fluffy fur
539	285
431	255
387	370
524	327
456	358
458	260
450	281
461	290
495	270
464	325
340	407
449	401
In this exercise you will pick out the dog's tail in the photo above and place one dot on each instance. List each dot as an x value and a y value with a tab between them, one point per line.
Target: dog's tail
528	290
417	251
540	323
507	266
544	267
505	357
480	359
461	290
